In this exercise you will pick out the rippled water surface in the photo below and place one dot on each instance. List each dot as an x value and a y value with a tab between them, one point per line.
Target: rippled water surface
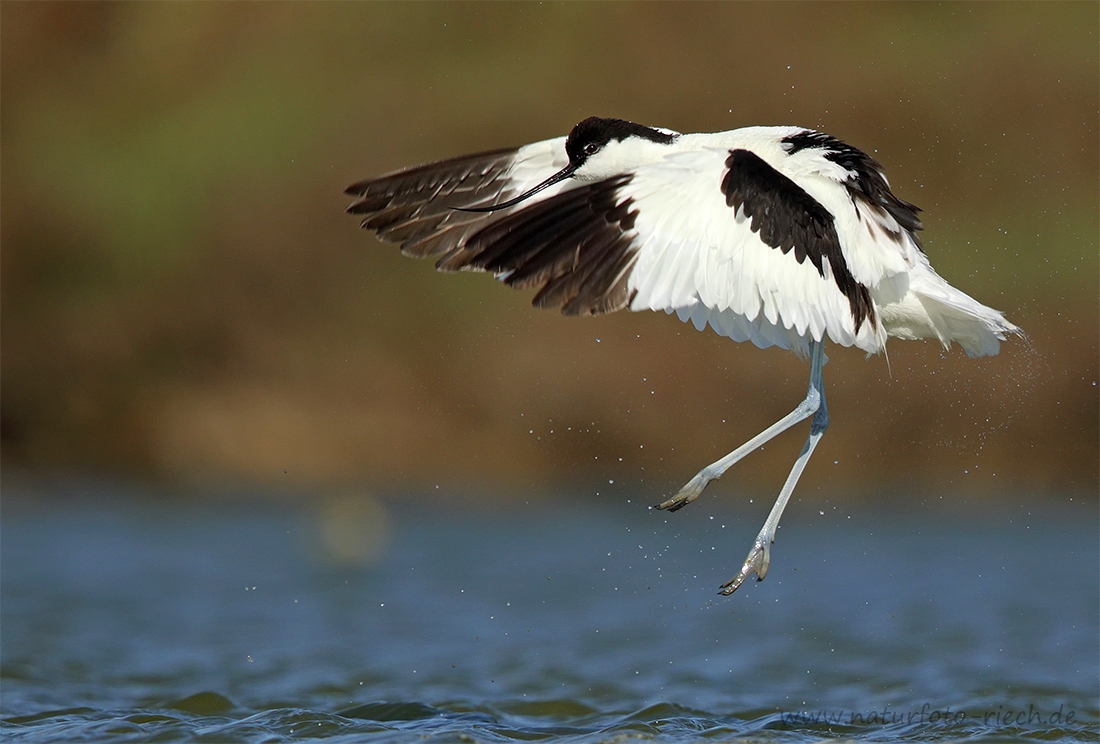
351	620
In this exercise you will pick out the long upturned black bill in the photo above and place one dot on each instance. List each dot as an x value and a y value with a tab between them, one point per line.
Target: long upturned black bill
561	175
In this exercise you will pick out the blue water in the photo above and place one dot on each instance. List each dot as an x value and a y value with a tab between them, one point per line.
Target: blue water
143	617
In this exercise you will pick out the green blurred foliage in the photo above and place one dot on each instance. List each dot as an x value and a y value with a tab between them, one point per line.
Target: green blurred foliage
182	297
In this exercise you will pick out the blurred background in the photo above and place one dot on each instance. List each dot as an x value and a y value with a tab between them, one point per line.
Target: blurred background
185	303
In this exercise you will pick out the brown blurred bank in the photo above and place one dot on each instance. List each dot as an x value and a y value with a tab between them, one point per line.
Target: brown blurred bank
183	299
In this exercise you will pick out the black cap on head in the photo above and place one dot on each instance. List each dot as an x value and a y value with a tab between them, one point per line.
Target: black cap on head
588	137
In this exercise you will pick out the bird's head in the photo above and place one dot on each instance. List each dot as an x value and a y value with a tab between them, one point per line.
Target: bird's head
598	149
601	148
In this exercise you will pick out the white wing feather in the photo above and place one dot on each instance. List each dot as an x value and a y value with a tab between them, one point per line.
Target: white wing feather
700	259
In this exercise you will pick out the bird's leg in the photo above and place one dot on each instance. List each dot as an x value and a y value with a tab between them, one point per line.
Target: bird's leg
802	411
759	557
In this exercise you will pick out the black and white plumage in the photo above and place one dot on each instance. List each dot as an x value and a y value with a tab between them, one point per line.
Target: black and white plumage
782	236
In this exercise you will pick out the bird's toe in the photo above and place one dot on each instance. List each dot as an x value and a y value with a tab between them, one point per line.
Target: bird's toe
686	495
757	562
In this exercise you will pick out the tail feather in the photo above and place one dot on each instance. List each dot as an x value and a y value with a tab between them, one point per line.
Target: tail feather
932	308
978	329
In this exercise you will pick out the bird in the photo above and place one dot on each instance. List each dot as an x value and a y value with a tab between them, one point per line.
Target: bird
779	235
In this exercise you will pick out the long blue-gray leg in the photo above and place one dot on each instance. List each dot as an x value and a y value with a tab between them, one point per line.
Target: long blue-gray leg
759	557
812	405
808	407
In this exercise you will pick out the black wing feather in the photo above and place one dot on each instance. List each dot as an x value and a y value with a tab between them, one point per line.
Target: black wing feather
577	246
866	182
787	218
417	207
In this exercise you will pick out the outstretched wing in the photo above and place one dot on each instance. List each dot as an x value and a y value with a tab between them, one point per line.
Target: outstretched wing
573	241
416	207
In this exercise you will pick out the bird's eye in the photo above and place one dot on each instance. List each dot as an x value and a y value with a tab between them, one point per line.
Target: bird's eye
591	148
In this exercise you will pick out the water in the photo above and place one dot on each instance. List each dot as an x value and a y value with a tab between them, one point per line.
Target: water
353	620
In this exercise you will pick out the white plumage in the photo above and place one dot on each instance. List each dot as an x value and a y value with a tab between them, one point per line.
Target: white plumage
777	235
